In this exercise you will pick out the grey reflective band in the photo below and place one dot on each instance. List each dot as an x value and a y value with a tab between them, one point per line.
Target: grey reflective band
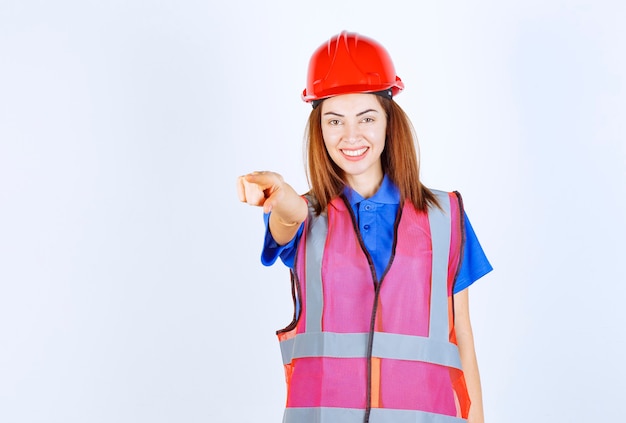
323	414
324	344
440	237
352	415
315	241
416	348
386	345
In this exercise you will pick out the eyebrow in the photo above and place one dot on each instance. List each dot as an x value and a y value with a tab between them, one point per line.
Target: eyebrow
358	114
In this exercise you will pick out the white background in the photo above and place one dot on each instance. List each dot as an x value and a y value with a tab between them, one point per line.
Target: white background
130	283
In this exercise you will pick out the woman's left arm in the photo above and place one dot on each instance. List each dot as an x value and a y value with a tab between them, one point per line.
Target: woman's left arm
465	340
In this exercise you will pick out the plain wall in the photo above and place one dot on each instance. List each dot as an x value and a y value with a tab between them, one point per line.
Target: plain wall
130	283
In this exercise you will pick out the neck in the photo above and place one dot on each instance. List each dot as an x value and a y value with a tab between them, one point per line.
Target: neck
365	186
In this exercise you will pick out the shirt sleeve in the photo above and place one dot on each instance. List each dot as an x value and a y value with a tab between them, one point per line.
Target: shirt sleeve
271	249
475	264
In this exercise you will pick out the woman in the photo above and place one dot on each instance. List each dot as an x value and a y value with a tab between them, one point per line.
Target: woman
380	264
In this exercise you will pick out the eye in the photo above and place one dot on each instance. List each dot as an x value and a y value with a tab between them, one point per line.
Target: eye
334	122
367	119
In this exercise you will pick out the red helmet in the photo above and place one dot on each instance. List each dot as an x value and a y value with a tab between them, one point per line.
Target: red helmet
350	63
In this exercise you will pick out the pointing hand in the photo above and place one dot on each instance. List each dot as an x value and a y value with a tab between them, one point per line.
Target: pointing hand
262	189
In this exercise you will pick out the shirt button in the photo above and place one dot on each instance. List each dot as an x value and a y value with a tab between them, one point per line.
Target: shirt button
366	227
368	207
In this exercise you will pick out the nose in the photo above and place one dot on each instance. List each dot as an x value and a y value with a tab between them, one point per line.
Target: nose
352	132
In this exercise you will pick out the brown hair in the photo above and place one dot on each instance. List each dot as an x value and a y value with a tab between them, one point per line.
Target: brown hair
399	160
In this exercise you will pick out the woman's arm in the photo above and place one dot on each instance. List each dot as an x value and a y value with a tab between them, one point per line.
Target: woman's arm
269	190
465	340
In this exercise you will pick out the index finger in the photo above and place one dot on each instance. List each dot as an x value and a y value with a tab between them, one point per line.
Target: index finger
241	190
263	178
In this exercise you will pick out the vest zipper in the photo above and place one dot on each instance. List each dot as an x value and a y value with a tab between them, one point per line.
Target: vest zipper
377	285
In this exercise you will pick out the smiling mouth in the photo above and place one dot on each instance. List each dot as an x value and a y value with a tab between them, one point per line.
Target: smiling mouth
355	153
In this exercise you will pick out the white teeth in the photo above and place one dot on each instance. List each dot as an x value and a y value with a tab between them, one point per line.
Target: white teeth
355	153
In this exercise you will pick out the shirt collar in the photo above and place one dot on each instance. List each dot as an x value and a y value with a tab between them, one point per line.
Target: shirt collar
388	193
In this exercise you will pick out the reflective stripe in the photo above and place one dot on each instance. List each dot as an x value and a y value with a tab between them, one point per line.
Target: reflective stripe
323	414
386	415
386	345
324	344
352	415
316	239
440	225
416	348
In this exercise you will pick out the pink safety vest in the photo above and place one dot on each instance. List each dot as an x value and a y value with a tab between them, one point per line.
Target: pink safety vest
364	350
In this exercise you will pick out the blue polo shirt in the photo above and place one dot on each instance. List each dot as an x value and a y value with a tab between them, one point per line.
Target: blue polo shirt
376	218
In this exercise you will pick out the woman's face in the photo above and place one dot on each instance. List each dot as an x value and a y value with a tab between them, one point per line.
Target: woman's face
354	130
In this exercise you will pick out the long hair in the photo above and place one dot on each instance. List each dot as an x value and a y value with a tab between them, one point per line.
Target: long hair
399	160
